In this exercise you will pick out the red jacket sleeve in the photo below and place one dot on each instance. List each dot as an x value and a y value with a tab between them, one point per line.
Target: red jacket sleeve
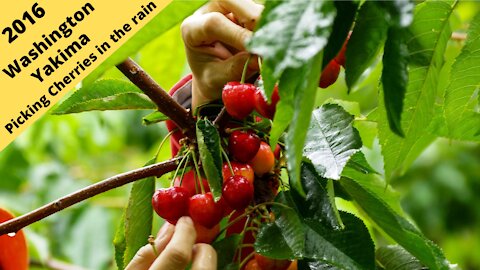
182	93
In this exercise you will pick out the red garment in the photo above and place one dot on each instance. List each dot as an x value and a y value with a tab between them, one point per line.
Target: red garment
176	136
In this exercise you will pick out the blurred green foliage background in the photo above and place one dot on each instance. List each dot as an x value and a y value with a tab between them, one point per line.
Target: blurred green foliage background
61	154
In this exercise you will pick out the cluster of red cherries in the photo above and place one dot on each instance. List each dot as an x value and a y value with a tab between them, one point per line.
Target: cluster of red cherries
249	167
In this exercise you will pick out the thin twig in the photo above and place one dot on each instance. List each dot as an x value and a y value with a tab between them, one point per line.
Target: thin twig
221	121
38	214
165	103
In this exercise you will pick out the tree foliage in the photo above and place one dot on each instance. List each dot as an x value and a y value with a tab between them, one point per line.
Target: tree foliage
324	151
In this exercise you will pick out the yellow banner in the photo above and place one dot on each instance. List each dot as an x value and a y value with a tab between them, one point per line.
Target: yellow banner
48	47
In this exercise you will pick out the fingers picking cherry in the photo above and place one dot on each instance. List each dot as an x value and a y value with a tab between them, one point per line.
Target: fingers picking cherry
239	99
243	145
238	192
203	210
171	203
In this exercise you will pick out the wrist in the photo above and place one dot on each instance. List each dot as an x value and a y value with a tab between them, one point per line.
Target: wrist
198	98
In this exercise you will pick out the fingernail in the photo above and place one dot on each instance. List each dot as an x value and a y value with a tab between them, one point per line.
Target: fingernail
187	220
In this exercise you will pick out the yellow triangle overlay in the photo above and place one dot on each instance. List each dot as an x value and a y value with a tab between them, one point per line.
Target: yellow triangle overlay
48	47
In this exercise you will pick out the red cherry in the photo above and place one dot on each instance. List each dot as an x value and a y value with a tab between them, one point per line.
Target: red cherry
171	203
264	160
252	265
238	168
261	105
237	227
340	58
188	183
205	235
266	263
329	74
204	210
227	210
277	152
293	266
238	192
13	248
243	145
238	99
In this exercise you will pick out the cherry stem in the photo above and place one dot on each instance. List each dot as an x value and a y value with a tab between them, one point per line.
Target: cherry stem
163	142
158	169
259	63
253	229
242	237
184	168
179	166
247	259
198	178
228	161
244	73
151	241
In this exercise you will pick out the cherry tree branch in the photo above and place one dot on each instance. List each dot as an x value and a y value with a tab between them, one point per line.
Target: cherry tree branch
158	169
221	120
165	103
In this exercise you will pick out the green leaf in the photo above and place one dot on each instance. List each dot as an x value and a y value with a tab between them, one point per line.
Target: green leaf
461	118
285	108
317	205
120	244
305	93
289	34
395	257
270	242
429	34
341	26
154	118
315	265
211	156
359	163
137	219
350	248
170	16
284	238
331	140
366	40
395	77
381	207
105	95
226	249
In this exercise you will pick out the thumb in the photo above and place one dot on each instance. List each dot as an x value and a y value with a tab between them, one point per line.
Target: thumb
233	66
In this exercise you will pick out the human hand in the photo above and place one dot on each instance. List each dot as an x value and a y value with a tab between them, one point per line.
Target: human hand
176	249
215	38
